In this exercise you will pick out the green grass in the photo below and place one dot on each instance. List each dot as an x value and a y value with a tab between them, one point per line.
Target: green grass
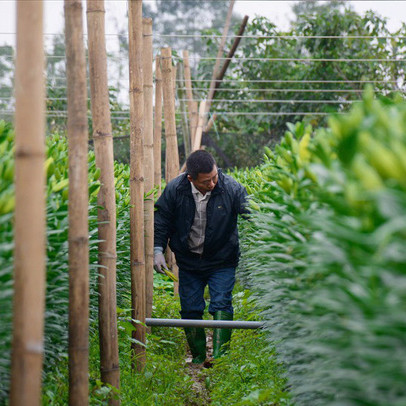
248	375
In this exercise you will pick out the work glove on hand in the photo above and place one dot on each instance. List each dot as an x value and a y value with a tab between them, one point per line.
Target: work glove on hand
159	261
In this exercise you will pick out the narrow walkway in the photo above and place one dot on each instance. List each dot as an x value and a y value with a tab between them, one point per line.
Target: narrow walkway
196	373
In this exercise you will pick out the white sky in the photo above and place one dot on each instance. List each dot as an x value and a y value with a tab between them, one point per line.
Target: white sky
276	11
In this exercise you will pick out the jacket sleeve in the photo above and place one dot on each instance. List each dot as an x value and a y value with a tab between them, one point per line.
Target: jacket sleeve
241	201
164	218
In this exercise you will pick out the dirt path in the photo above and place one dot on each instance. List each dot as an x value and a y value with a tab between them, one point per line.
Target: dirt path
196	372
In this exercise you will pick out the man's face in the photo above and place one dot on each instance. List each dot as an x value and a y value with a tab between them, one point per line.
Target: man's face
205	182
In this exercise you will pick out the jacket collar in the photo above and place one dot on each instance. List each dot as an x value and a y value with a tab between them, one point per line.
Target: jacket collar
184	185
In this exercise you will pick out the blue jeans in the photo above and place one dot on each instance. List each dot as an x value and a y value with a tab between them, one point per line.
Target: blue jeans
191	291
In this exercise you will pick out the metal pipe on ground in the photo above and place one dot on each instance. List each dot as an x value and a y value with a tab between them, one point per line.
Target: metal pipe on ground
233	324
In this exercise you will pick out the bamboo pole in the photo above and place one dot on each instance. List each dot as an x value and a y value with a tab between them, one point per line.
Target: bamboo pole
137	179
169	114
172	155
192	106
103	147
174	73
211	122
148	162
30	227
218	59
158	126
183	108
195	115
230	54
78	205
199	130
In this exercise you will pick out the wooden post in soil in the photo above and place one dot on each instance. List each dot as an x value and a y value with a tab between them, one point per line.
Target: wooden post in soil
106	200
169	114
183	108
137	254
172	155
158	126
148	162
78	205
200	123
199	131
192	106
174	72
218	60
30	223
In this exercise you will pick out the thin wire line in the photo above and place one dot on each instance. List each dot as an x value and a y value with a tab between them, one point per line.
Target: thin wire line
201	89
280	36
207	58
288	81
290	101
285	90
245	89
244	36
125	80
278	101
63	114
267	113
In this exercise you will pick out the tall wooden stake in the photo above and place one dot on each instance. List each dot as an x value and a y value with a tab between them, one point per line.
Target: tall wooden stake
137	178
169	114
148	162
192	109
230	54
172	155
199	130
103	146
183	108
78	205
158	126
29	238
218	60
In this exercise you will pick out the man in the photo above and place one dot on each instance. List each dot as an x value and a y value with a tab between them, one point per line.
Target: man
197	213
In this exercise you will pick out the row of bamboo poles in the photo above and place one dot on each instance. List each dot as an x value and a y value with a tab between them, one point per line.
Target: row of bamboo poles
145	174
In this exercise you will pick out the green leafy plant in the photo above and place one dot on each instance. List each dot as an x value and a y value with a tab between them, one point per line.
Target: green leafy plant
323	255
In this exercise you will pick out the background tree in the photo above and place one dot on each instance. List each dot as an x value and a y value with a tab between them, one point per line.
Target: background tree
242	137
6	80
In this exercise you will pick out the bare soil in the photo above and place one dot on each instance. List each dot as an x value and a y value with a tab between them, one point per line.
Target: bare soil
196	372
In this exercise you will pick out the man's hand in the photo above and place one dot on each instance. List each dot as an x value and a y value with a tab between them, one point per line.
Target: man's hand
159	261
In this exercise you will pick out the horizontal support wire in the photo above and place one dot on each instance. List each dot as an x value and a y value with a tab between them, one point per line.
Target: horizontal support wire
287	81
209	58
275	101
285	90
174	35
303	81
269	90
231	100
224	113
281	36
268	113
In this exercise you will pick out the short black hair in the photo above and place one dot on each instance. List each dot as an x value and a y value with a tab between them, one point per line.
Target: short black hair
199	161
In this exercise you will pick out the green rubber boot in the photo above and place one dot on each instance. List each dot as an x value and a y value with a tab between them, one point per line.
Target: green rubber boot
221	336
196	338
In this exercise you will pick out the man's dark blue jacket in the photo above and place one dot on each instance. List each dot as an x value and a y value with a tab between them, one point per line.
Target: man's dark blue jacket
174	215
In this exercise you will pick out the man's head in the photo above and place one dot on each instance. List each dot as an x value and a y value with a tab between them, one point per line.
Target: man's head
202	171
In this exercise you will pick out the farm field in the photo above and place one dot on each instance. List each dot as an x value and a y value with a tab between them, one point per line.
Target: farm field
310	122
322	262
